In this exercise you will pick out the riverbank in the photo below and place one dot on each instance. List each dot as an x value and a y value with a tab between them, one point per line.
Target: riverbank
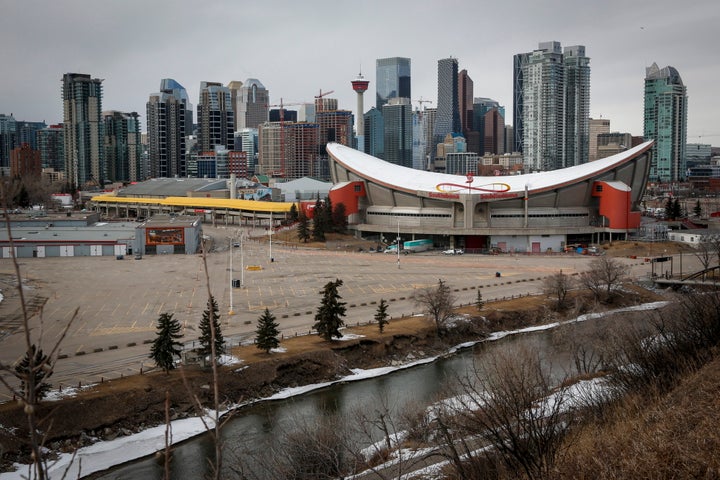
125	406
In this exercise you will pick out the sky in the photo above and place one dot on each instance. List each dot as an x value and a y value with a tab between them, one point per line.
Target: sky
298	49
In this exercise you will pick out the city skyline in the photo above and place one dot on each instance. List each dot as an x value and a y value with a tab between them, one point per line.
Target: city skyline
132	48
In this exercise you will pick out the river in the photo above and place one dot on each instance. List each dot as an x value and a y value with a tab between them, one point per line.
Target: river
253	429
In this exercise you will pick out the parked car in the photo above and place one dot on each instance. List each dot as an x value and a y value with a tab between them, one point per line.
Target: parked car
454	251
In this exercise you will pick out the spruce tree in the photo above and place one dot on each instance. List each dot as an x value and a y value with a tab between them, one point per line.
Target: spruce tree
698	209
293	212
266	335
676	210
206	332
319	224
381	315
339	218
165	347
303	227
479	302
41	369
330	313
669	208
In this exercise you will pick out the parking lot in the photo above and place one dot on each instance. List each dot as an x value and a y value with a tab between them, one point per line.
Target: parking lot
119	301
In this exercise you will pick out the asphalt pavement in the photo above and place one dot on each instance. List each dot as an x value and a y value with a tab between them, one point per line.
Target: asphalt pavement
118	301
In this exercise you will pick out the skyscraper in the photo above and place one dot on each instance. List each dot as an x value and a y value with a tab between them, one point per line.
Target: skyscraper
252	104
488	127
374	133
392	79
169	122
8	139
552	105
83	130
465	101
666	122
447	118
216	117
51	147
123	147
577	106
398	131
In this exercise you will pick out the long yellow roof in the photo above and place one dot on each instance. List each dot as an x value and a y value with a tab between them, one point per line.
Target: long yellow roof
200	202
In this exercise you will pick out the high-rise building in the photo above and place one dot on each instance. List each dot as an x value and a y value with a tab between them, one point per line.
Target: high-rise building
83	130
552	105
419	140
26	132
374	133
252	104
597	126
303	158
246	140
123	146
169	123
447	118
488	127
666	122
576	106
392	79
698	154
398	132
465	101
8	139
216	117
51	147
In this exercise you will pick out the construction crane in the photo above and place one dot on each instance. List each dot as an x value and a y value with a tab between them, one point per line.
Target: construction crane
281	105
319	106
421	101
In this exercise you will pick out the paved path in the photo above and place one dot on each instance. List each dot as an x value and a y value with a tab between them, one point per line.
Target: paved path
119	301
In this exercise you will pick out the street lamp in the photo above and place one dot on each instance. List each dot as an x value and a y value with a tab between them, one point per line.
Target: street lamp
231	312
398	244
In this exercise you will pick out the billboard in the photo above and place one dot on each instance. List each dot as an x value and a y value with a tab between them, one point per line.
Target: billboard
165	236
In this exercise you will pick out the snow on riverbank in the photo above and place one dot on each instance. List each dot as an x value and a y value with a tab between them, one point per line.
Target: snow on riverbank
103	455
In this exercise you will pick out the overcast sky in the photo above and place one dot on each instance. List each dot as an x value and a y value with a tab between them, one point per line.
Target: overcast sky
297	48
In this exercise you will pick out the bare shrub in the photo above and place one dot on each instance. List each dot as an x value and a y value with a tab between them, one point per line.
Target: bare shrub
557	286
512	405
438	303
606	274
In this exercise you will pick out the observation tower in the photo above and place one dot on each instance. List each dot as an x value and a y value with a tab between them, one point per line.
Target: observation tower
360	85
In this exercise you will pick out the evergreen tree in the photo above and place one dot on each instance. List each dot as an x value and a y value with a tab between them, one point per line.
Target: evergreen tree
41	369
339	218
669	208
328	319
381	315
676	210
211	321
303	227
165	347
266	335
479	302
319	225
698	209
293	213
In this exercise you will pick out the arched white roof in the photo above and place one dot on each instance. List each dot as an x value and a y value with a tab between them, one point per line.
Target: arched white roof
410	179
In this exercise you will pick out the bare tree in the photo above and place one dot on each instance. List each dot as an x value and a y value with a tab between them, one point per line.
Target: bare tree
437	302
36	368
557	286
603	277
513	404
705	253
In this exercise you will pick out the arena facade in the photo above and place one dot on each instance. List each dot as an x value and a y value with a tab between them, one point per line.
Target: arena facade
535	212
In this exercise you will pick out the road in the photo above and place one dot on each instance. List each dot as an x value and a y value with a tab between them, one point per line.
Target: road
118	301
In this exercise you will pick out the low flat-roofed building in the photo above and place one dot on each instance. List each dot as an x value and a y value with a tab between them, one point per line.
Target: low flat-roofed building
165	234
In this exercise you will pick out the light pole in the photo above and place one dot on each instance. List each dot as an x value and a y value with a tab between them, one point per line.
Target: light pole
242	261
231	312
398	244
